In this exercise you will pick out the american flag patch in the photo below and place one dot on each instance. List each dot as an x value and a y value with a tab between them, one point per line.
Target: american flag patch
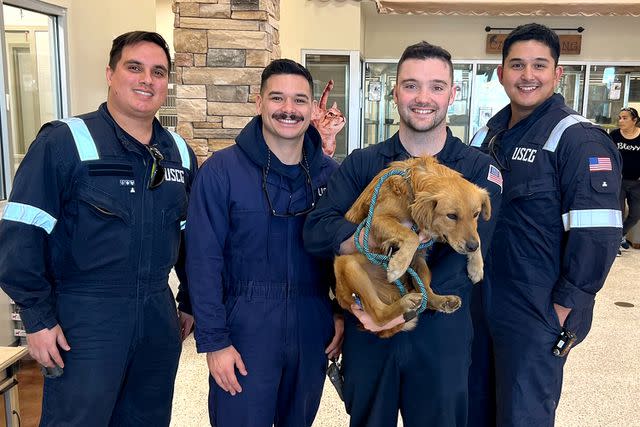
599	164
495	176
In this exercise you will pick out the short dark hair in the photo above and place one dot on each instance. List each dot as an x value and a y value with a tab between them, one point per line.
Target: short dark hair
285	66
132	38
538	32
425	50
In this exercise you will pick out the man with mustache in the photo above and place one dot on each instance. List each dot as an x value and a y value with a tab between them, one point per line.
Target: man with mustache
557	234
261	302
422	373
89	236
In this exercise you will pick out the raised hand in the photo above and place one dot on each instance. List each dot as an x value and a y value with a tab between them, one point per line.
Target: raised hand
328	122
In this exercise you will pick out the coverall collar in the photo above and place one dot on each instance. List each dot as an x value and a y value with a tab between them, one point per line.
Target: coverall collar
252	143
393	149
159	136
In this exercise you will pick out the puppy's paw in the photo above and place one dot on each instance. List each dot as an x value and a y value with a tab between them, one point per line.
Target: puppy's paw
475	267
447	303
411	301
410	325
397	266
475	272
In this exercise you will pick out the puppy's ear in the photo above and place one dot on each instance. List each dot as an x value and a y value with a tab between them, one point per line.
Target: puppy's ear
486	205
423	208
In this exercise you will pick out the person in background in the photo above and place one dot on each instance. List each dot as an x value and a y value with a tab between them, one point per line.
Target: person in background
422	373
261	302
627	137
557	233
87	240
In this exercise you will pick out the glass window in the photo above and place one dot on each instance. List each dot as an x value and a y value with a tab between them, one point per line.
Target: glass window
611	88
571	85
381	119
33	76
458	114
488	97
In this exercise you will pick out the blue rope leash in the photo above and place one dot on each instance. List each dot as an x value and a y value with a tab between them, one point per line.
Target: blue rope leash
380	259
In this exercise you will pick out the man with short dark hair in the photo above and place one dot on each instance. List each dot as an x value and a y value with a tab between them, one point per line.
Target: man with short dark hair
90	233
557	234
422	373
261	302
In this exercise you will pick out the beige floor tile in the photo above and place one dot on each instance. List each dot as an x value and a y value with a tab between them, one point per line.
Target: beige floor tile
602	375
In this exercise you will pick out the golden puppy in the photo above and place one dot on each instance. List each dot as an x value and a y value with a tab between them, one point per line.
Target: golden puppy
442	204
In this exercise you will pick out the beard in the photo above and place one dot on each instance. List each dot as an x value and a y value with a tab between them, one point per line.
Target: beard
422	126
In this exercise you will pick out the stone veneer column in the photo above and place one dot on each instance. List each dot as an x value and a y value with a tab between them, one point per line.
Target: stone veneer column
221	48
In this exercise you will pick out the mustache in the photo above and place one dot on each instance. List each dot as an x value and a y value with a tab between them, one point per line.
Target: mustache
288	116
424	106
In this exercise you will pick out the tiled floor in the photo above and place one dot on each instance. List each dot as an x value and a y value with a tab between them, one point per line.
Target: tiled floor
602	376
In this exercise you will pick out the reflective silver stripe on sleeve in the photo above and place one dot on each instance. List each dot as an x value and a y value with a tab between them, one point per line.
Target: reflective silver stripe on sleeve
558	130
479	137
29	215
183	224
85	145
182	148
588	218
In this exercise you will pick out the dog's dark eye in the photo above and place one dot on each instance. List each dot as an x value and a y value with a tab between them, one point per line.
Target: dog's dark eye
475	215
452	216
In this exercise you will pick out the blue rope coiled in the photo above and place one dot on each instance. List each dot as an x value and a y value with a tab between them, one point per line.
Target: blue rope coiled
380	259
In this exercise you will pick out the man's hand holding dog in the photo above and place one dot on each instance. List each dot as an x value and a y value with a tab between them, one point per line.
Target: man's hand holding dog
222	365
369	324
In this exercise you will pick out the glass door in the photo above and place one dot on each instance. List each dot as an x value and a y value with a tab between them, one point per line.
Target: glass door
33	82
343	68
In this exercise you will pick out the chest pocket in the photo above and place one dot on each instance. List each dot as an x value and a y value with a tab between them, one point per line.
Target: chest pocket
102	233
538	198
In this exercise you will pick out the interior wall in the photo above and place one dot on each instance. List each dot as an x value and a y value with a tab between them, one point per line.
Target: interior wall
91	26
386	36
164	21
319	25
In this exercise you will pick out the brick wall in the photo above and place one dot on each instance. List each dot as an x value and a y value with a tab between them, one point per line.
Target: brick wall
221	48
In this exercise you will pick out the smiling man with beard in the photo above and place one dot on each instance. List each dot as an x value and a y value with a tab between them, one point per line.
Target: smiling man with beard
260	301
422	373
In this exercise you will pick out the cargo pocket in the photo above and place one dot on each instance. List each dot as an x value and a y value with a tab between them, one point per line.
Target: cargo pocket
102	234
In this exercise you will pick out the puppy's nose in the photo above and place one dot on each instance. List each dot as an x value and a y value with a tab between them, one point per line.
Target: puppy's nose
471	246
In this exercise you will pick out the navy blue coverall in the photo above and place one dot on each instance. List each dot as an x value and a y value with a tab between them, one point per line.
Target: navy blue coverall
253	285
423	372
86	245
556	237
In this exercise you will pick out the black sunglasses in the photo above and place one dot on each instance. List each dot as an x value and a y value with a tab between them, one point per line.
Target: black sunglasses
494	150
157	171
305	167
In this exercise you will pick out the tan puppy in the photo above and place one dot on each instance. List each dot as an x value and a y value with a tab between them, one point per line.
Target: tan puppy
442	204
